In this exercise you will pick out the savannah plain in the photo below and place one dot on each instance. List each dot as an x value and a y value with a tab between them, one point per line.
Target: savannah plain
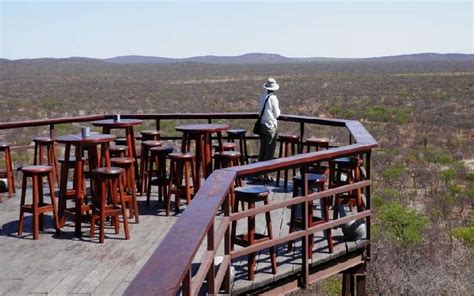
420	112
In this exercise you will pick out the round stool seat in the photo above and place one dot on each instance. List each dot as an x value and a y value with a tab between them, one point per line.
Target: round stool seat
37	169
44	140
181	155
152	143
228	154
236	132
226	146
312	178
252	191
346	162
163	149
289	138
122	160
151	133
110	171
4	144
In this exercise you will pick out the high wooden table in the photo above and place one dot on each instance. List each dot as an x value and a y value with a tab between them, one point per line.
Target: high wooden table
201	134
90	143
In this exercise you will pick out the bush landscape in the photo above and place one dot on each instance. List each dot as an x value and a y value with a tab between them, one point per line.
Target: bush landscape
420	112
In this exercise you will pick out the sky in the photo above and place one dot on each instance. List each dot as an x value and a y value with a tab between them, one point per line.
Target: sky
352	29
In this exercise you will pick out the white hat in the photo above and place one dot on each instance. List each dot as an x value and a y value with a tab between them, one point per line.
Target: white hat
271	84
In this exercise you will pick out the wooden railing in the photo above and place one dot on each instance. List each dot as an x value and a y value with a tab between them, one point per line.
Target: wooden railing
168	270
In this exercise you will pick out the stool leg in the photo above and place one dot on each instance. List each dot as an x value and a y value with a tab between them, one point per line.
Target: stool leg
246	151
40	202
35	156
22	203
54	160
122	201
287	148
35	207
292	218
170	185
53	202
9	172
250	236
150	175
280	154
134	193
294	152
325	209
270	235
235	209
187	177
103	197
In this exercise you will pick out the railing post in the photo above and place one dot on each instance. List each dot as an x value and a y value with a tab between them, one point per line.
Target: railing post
305	243
51	131
187	283
368	197
157	124
211	273
301	137
227	246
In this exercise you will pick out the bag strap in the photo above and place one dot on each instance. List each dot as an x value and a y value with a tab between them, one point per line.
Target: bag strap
264	105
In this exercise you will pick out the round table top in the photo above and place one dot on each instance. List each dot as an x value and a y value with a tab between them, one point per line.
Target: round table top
78	139
117	123
202	128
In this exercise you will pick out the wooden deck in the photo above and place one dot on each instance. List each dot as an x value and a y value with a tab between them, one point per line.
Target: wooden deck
63	264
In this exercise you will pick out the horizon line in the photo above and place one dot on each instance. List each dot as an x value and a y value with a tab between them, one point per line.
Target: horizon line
239	55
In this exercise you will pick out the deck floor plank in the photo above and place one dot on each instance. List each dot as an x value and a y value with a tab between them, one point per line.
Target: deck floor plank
62	264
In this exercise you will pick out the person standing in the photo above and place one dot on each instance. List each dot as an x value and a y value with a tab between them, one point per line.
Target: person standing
269	125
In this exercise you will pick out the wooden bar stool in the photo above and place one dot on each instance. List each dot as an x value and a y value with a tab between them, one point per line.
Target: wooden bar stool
227	159
182	166
40	158
8	171
118	150
144	156
150	135
108	200
128	179
241	135
157	168
252	195
344	171
315	181
287	142
318	144
38	207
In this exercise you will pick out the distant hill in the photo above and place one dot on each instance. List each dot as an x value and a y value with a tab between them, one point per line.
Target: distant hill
253	58
428	57
250	58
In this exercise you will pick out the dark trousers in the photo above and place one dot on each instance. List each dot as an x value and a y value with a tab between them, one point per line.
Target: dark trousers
268	142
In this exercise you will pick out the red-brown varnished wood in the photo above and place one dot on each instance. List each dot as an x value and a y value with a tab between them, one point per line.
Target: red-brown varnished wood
201	134
8	171
144	156
37	207
81	143
108	200
157	171
128	181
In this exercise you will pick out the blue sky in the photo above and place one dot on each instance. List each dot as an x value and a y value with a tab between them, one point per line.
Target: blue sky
31	29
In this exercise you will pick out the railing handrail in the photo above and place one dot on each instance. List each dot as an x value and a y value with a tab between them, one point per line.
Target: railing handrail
169	116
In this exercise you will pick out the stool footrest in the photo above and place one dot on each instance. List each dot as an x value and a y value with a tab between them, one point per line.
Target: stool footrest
42	208
243	239
298	222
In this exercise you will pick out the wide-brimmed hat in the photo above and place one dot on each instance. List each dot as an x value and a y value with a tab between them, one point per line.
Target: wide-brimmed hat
271	84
